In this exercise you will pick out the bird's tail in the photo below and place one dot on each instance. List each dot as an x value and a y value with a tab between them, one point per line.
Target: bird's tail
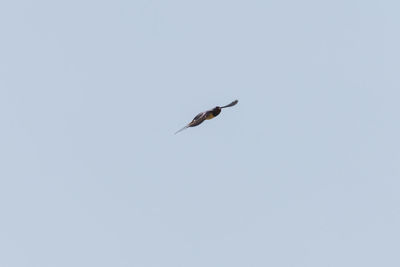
182	129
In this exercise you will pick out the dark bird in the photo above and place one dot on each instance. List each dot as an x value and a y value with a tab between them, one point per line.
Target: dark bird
207	115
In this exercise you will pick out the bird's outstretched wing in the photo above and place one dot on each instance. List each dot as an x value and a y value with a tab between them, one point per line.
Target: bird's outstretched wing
199	119
231	104
182	129
196	120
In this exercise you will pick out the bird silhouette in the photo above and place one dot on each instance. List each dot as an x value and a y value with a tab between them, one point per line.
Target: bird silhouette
206	115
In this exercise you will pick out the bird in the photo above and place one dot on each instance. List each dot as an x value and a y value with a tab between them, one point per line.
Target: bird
206	115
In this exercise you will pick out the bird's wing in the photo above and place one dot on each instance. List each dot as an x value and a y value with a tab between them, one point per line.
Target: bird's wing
198	119
198	116
182	129
231	104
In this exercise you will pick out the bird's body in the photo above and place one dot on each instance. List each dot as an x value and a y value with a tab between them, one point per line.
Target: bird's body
207	115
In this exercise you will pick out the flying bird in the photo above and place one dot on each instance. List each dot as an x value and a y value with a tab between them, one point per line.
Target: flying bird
207	115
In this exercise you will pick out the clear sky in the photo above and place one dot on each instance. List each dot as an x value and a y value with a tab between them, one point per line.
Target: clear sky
304	171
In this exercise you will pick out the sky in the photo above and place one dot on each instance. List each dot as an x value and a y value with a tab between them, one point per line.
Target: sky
304	171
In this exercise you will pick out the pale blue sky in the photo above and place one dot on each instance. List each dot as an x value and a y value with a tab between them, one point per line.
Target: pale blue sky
304	171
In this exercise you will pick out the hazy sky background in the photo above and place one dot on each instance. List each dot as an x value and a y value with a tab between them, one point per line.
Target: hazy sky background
304	171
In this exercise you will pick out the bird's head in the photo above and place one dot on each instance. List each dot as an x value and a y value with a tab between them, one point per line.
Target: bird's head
216	111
